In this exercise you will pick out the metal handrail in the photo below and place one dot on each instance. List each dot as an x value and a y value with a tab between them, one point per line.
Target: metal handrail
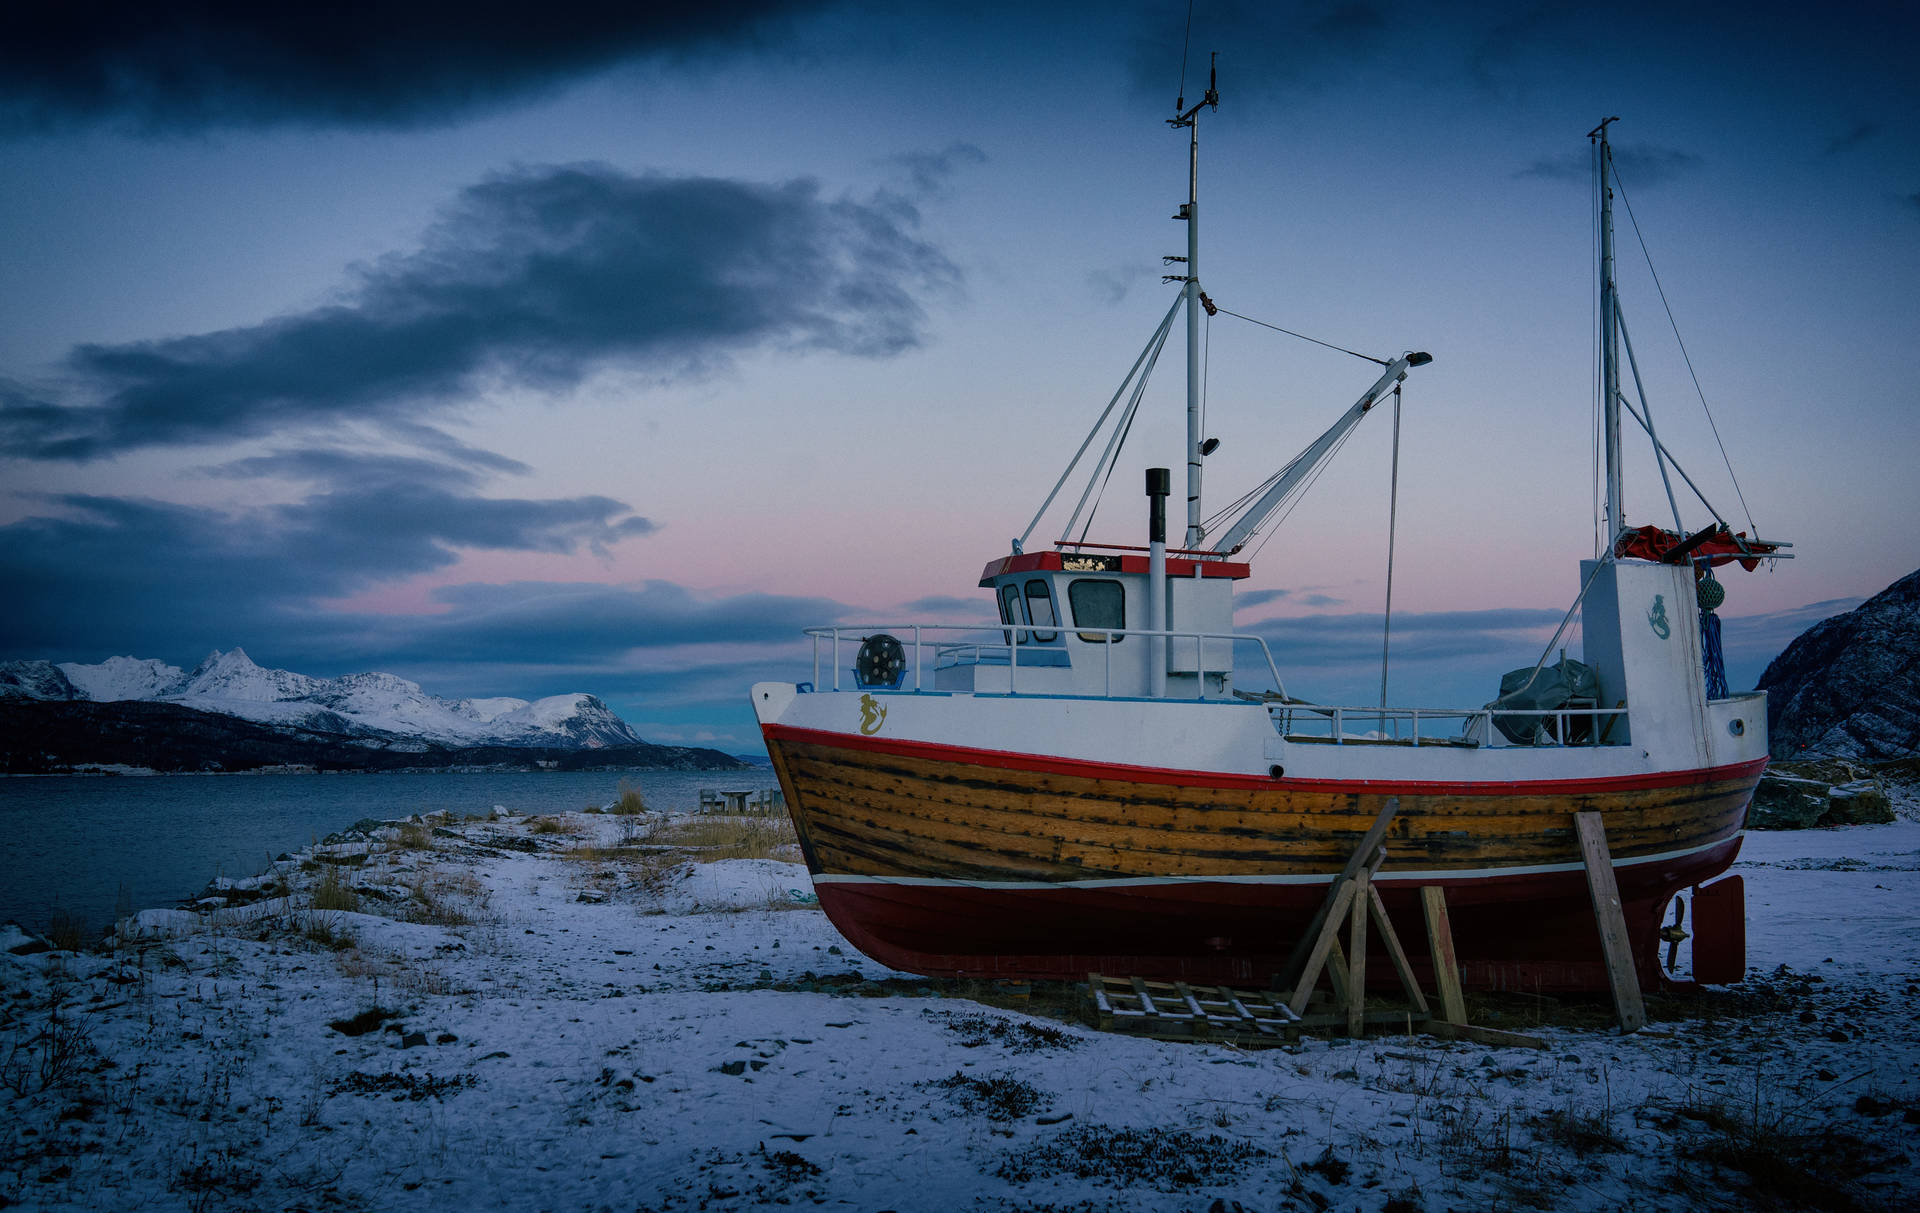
1013	650
1337	715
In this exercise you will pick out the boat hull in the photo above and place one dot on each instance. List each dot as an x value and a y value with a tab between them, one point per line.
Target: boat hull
943	861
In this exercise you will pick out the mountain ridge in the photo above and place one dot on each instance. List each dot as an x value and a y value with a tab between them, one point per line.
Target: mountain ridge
378	707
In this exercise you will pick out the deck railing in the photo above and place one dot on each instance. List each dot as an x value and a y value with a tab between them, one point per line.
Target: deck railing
829	642
1295	720
1462	726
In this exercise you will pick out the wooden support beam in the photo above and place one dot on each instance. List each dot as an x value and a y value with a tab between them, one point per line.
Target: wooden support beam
1337	969
1357	954
1322	941
1362	855
1612	921
1446	968
1395	952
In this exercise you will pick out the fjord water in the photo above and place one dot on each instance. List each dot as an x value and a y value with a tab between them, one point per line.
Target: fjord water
68	842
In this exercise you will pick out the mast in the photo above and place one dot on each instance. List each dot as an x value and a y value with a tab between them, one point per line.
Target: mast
1190	212
1609	337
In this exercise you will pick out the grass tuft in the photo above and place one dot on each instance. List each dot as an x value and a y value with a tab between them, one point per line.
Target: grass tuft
630	802
334	891
707	839
413	836
67	932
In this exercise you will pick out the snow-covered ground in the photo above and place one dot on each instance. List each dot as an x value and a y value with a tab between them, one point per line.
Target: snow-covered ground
533	1014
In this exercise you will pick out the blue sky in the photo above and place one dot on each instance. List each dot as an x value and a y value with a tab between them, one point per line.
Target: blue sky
602	349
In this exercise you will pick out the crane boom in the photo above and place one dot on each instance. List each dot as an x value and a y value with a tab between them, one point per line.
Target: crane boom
1257	514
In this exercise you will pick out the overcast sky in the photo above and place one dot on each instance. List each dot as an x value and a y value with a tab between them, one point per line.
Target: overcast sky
521	350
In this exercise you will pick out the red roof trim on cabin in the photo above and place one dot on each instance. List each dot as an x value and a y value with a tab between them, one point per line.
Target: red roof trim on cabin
1177	566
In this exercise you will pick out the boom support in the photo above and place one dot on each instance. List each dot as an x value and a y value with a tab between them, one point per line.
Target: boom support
1292	476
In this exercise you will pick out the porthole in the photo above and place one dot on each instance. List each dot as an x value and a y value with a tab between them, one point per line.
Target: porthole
1737	727
1277	771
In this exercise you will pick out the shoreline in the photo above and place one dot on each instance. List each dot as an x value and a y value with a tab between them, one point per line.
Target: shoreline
530	1012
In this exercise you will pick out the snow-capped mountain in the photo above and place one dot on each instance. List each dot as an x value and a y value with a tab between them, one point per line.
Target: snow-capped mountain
119	678
382	705
35	680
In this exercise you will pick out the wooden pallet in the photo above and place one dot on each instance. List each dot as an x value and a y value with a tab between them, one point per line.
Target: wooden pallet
1180	1011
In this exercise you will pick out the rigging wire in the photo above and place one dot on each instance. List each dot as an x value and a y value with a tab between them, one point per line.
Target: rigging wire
1159	336
1206	371
1123	427
1125	432
1185	43
1675	325
1275	524
1302	336
1393	522
1593	332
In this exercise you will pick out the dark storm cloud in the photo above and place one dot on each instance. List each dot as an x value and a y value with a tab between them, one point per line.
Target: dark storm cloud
1324	641
355	63
948	604
1247	601
1859	133
136	574
1639	165
1112	286
573	622
536	277
350	469
1267	47
928	174
1501	58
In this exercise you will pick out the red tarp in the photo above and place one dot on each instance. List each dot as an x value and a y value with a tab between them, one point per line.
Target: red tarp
1722	547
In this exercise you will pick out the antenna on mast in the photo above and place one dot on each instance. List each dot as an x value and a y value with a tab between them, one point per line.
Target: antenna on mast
1190	213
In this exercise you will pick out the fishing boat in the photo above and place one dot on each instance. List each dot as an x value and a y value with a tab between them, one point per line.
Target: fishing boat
1112	780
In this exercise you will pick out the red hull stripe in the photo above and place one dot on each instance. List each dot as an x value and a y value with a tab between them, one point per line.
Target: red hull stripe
1005	760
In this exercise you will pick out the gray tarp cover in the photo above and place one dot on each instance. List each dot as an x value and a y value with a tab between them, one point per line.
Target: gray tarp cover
1552	688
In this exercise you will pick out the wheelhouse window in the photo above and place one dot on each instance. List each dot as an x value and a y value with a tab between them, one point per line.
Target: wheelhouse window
1097	603
1040	610
1011	610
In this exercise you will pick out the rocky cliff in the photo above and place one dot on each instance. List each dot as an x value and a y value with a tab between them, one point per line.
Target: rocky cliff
1849	687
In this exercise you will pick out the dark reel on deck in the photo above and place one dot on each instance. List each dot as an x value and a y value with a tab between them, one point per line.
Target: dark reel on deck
881	662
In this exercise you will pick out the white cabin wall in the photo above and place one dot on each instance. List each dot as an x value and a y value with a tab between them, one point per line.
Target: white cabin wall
1199	604
1658	676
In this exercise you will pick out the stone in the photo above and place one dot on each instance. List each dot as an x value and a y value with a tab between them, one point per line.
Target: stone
1787	802
1858	803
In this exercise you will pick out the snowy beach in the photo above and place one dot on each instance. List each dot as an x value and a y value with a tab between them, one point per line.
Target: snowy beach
602	1011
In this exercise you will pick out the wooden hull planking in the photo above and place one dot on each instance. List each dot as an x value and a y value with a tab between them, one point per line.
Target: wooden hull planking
937	865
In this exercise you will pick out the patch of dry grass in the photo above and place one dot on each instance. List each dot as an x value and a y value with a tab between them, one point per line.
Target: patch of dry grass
334	891
413	836
705	839
446	898
67	932
630	803
325	929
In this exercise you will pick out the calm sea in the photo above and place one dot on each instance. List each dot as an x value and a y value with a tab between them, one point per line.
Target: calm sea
69	843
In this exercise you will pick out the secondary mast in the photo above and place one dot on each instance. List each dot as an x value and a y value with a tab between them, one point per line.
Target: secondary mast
1609	337
1190	212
